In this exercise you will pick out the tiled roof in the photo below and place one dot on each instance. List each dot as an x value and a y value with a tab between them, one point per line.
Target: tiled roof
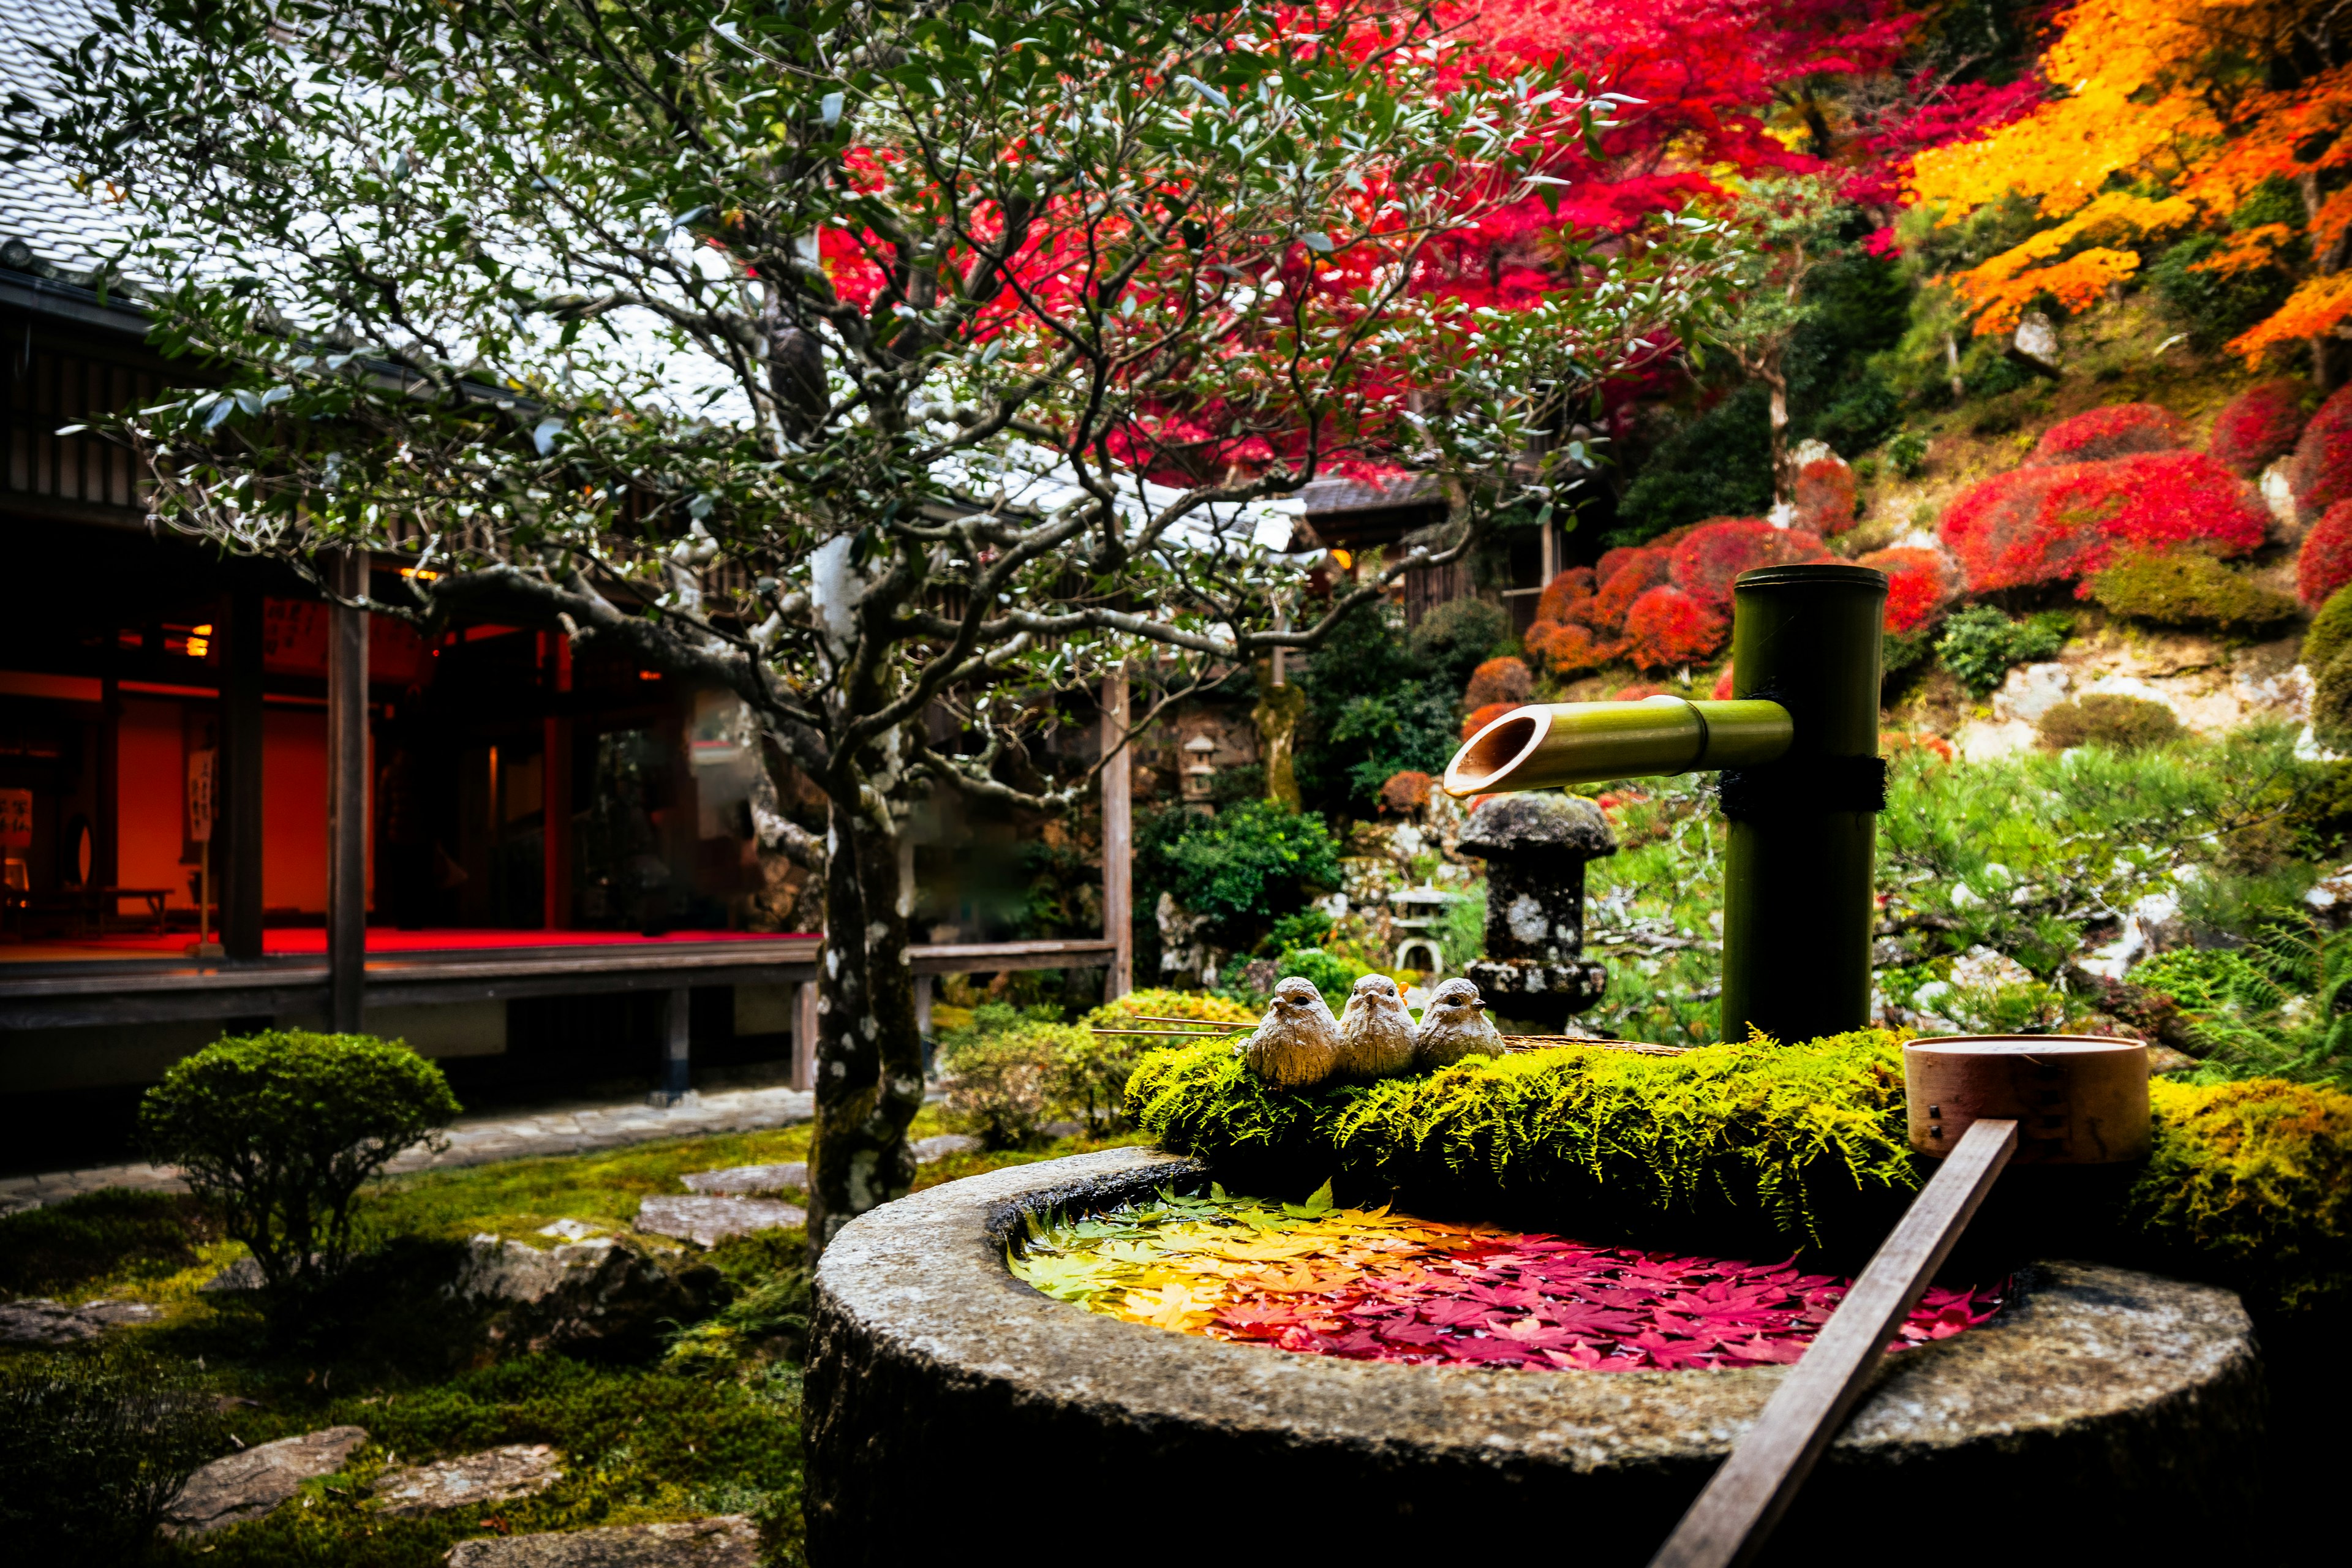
38	201
1325	498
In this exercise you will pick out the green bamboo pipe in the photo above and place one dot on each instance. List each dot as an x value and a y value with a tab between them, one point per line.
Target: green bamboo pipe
1802	728
1548	746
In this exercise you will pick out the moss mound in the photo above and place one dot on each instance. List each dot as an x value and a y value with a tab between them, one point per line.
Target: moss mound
2189	589
1759	1149
2107	719
2330	633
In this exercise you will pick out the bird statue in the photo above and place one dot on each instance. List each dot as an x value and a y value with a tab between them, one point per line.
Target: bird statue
1455	1024
1296	1044
1375	1031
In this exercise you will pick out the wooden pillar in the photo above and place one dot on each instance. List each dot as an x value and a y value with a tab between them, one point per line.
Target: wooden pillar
805	1035
1117	839
106	832
240	868
347	793
555	781
678	1011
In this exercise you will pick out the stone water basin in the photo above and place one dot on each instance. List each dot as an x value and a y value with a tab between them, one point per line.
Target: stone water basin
2100	1407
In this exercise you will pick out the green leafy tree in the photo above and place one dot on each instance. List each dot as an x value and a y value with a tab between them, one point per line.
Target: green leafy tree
816	352
1795	221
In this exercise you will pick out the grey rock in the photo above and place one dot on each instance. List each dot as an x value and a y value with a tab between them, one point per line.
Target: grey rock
41	1321
1545	825
928	1150
2118	1411
729	1541
709	1221
250	1483
494	1475
750	1181
581	1293
2035	343
244	1274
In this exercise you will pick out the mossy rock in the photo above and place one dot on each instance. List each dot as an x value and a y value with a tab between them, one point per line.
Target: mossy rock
2331	703
2189	589
1759	1149
2109	718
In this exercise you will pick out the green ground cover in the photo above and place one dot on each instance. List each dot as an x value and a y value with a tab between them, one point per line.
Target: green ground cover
708	1424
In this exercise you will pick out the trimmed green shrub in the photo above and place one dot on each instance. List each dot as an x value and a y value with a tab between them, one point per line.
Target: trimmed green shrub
1330	973
2189	588
2331	705
92	1449
1907	451
1757	1148
1001	1087
2330	633
280	1129
1979	644
1458	636
1249	863
2109	718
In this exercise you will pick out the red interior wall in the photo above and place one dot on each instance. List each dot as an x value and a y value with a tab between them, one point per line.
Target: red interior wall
150	776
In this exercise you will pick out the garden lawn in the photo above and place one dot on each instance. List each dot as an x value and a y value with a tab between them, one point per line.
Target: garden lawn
710	1429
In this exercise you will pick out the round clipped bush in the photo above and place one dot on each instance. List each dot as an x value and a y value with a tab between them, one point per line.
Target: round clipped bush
1406	791
1569	648
1499	680
2109	718
2330	633
2187	588
1563	591
282	1128
2258	427
2057	523
2120	430
1001	1087
1711	557
1724	685
1667	627
2320	473
1634	574
1457	634
2325	563
1919	583
1825	496
1482	717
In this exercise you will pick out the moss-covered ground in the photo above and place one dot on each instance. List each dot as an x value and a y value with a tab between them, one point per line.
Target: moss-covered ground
709	1426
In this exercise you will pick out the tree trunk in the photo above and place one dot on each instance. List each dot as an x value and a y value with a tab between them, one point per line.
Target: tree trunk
1784	483
869	1058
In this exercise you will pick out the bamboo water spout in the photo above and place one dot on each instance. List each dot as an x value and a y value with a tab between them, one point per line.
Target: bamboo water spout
1801	786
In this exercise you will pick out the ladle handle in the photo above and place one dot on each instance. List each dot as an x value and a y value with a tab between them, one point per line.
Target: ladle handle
1732	1518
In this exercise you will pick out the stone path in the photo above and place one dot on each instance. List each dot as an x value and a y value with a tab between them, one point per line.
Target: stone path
494	1475
707	1221
41	1321
478	1141
250	1483
730	1540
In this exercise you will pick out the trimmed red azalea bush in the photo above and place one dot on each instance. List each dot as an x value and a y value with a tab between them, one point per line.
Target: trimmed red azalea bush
1712	556
1667	627
2120	431
1570	587
1482	717
1407	791
2061	523
1569	648
2258	427
1824	496
1499	680
1723	685
2325	563
1635	573
1919	583
2320	474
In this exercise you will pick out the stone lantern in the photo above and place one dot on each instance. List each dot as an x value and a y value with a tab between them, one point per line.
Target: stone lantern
1535	846
1199	771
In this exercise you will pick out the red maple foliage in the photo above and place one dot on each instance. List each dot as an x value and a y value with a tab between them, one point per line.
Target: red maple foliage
1713	555
1667	627
2118	430
2258	427
1499	680
1570	647
1407	791
1482	717
1564	591
2056	524
2320	473
1919	583
2325	563
1824	496
1635	573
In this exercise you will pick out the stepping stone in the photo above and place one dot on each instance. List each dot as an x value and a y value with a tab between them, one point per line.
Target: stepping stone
742	1180
927	1150
494	1475
247	1485
730	1541
42	1321
708	1221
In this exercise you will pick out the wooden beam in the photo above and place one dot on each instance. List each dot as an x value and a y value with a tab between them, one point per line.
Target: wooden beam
239	870
347	794
1732	1518
1117	839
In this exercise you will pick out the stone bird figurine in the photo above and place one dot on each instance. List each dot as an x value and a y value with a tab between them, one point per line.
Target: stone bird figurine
1375	1031
1296	1045
1455	1024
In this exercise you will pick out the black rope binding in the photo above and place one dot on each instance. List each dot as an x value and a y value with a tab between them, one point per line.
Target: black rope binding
1818	783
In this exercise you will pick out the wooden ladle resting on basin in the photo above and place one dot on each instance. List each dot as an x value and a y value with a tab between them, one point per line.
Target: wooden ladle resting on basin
1976	1102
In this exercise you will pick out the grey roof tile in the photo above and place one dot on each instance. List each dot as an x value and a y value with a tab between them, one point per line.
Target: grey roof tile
38	204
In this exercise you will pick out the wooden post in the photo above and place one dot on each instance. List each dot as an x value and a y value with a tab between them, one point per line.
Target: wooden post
805	1035
678	1011
240	868
1732	1518
1117	839
347	794
555	783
